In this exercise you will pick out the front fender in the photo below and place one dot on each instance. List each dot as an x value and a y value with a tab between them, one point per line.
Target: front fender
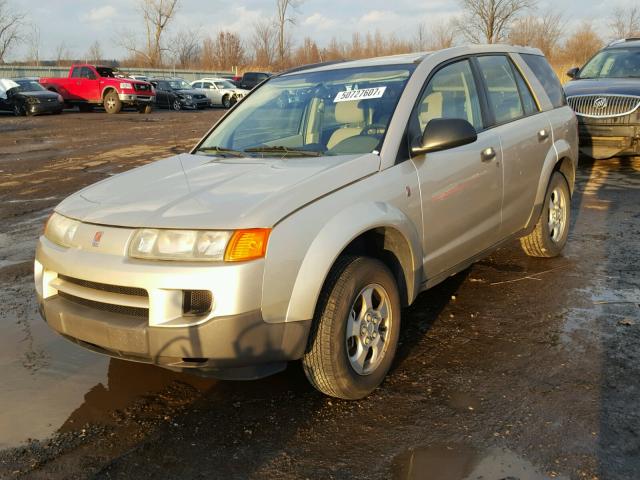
300	280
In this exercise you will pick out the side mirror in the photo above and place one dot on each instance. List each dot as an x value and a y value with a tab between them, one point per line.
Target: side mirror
445	133
573	73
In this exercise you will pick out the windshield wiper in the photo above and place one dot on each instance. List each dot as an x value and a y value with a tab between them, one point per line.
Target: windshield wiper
222	151
284	151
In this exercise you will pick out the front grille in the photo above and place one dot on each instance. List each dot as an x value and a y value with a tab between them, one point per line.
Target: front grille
138	292
603	106
140	87
106	307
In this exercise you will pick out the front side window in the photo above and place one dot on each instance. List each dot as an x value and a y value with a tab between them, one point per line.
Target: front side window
87	73
197	85
451	93
613	63
225	85
331	112
76	73
179	85
502	89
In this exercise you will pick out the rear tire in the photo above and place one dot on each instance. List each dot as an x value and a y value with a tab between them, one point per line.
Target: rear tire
355	329
226	101
19	111
552	230
112	103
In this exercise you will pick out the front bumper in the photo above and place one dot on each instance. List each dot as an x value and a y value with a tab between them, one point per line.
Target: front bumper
44	107
135	99
195	103
231	341
601	141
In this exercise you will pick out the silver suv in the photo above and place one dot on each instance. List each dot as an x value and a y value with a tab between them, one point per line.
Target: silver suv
314	211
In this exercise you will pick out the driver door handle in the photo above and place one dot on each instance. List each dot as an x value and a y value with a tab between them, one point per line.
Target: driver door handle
488	154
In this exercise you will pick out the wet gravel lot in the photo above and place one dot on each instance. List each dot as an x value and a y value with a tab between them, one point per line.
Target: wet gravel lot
517	368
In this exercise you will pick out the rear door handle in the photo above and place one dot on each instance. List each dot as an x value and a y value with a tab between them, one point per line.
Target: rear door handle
543	135
488	154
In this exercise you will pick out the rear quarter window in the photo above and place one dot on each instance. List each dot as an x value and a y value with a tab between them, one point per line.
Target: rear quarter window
547	77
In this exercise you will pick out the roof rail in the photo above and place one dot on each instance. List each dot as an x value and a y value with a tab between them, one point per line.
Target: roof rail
310	66
623	40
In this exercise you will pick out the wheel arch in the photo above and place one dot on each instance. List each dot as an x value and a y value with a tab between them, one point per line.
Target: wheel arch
376	230
108	89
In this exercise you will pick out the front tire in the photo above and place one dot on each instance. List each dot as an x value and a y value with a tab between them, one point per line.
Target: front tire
552	230
176	105
112	103
355	329
226	101
146	109
19	111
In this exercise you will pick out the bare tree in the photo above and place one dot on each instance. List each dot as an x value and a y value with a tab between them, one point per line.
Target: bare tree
94	54
33	45
420	40
228	50
62	53
443	35
582	44
263	43
186	47
543	32
488	21
157	14
11	24
284	17
625	22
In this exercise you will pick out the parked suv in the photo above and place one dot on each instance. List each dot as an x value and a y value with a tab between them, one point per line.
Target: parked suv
605	94
249	80
298	230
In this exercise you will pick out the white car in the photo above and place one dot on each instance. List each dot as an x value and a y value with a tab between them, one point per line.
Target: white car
220	91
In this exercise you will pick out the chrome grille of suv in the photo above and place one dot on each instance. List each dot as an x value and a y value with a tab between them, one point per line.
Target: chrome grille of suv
603	106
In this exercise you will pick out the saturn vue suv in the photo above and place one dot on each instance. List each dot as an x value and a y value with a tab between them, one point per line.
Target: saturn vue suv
297	230
605	94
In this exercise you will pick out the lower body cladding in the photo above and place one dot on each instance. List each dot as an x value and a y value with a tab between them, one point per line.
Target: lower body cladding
602	141
154	316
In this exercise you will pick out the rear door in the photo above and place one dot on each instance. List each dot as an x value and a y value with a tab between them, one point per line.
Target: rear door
461	188
525	136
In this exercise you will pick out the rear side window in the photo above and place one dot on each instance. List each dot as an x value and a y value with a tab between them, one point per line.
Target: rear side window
502	89
528	102
547	78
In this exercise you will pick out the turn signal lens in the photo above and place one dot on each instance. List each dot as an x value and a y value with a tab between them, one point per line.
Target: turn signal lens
247	245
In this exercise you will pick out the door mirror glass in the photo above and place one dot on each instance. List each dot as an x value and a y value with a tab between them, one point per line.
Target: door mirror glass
445	133
573	72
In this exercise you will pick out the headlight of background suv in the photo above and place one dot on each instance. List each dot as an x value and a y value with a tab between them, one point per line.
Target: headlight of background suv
61	230
199	245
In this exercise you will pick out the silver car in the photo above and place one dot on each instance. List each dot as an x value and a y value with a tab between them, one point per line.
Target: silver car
220	91
312	213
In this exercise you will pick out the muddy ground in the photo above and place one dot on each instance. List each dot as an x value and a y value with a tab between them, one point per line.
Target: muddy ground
517	368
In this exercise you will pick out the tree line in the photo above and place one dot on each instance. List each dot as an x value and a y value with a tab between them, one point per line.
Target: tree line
269	44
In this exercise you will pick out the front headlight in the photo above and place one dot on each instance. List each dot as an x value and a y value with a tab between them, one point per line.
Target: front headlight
126	86
199	245
61	230
32	100
188	97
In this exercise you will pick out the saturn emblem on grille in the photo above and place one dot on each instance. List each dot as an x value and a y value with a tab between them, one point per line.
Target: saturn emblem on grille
600	103
96	239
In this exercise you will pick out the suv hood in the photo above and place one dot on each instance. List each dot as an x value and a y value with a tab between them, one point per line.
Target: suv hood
603	86
196	191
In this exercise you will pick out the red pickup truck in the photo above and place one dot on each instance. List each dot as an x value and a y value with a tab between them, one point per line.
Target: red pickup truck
89	85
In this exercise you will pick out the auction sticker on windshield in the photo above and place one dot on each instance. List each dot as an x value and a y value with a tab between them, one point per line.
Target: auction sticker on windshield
362	94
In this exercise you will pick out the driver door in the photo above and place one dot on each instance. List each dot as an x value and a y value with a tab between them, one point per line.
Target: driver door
461	187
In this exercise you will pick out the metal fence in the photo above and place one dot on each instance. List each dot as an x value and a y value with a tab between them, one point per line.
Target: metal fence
18	71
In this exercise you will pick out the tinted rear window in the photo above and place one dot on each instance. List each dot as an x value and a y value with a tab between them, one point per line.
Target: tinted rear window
547	78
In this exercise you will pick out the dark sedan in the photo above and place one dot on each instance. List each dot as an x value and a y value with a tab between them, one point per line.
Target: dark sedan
177	94
28	97
605	94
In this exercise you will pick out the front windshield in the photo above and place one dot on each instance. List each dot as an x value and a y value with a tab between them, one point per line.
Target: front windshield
29	86
613	63
180	85
332	112
224	84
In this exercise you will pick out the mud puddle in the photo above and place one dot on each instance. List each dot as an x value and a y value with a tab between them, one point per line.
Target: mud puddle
463	462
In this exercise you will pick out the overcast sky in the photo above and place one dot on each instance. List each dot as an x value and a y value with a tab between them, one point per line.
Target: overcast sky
78	23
